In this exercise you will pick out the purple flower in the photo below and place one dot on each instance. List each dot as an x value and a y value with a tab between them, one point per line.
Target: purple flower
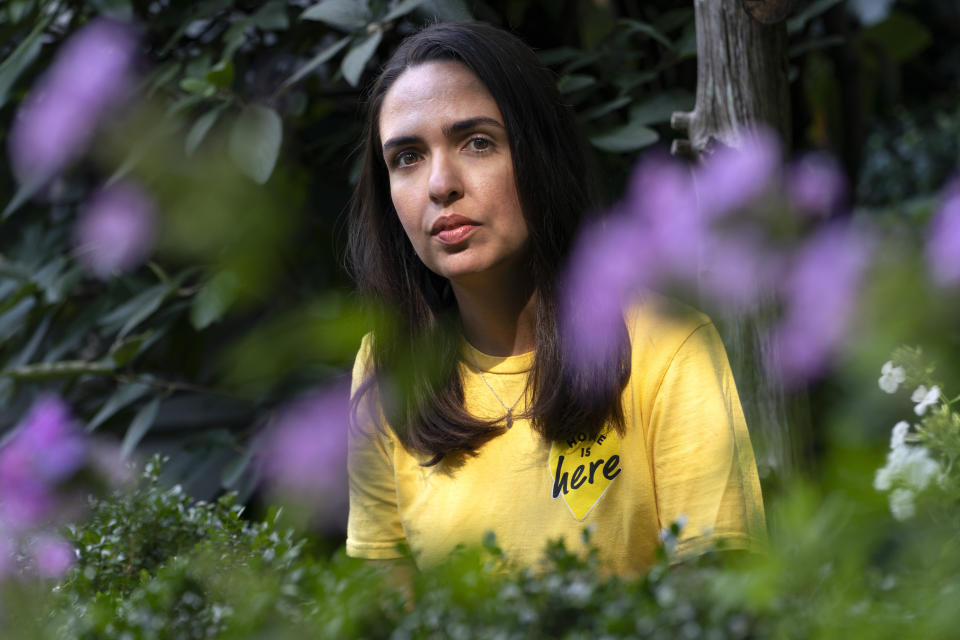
52	555
57	120
305	451
610	260
662	196
732	178
737	268
45	449
115	231
943	239
816	185
820	295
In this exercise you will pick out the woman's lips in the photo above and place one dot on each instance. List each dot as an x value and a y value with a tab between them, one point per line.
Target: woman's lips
453	229
455	235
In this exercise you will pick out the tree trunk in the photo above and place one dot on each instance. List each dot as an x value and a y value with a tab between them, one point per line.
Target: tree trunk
742	83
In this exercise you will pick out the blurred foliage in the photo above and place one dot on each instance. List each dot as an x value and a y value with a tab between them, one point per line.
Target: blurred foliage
244	129
152	564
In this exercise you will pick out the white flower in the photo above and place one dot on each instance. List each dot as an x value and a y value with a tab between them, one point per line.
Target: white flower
910	467
925	398
898	437
891	377
901	504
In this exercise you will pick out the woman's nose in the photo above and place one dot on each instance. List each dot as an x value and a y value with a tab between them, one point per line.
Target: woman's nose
446	185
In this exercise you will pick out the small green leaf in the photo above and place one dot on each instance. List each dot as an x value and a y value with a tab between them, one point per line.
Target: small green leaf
221	74
139	426
812	10
900	35
345	14
255	141
127	349
604	109
198	86
402	8
629	137
232	473
150	305
660	106
116	9
201	127
358	56
22	57
635	26
213	300
575	82
316	61
146	298
272	16
120	399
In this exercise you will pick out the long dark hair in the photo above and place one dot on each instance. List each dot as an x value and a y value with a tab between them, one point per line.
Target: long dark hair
415	342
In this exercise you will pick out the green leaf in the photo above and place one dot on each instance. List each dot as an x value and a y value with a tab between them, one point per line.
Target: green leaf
659	107
198	86
27	352
635	26
21	58
356	59
213	300
116	9
272	16
575	82
200	129
811	11
900	35
137	308
629	137
604	109
255	141
14	319
221	74
402	8
232	473
121	398
315	62
447	10
554	57
345	14
23	194
139	426
124	351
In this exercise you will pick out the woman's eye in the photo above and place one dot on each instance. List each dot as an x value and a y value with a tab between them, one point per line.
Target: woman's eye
480	144
405	159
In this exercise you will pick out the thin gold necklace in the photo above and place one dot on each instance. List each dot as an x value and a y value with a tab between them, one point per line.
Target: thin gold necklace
496	395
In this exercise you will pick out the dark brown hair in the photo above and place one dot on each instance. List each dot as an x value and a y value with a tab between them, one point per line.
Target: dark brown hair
415	342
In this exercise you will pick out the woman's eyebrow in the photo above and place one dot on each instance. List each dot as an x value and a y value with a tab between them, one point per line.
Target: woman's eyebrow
449	130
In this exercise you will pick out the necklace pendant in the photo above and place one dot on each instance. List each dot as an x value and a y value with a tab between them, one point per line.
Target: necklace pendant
509	418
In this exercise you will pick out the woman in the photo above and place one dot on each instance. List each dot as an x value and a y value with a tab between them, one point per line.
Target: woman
470	414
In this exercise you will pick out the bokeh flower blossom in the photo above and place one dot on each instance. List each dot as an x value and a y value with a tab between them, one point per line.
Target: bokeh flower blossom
820	292
52	555
57	120
908	470
732	178
45	449
943	239
116	229
891	377
816	185
304	453
924	398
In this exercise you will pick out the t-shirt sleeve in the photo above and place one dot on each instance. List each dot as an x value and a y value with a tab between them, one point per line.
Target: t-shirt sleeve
374	530
705	473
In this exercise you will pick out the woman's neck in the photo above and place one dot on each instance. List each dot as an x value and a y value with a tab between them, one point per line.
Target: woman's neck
498	319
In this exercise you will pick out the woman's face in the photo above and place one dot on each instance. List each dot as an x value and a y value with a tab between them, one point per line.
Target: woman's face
451	173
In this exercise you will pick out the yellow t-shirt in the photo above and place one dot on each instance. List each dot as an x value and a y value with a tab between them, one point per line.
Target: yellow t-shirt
685	456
